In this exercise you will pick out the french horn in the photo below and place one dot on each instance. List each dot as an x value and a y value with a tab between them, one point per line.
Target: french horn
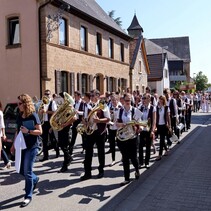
63	114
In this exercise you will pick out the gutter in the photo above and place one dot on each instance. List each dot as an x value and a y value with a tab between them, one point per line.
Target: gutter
40	50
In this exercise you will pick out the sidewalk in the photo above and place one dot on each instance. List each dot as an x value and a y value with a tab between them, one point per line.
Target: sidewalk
180	181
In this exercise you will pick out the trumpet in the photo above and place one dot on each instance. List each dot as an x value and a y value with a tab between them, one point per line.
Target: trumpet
44	101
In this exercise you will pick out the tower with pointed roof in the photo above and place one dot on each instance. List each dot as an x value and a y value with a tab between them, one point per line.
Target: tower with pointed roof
135	30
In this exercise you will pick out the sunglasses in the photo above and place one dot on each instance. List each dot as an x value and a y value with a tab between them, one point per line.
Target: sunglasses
127	100
47	93
144	98
19	103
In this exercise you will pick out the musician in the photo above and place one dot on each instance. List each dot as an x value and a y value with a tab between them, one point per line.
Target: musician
101	118
87	108
146	136
114	109
64	141
128	148
172	104
163	123
188	109
47	112
79	107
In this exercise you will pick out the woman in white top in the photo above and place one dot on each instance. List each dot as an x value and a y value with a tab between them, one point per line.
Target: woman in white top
128	147
163	123
3	137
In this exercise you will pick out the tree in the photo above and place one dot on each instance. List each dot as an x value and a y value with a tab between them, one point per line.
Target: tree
117	20
201	81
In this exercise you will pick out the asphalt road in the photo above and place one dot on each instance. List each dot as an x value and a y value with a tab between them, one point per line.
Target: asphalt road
65	191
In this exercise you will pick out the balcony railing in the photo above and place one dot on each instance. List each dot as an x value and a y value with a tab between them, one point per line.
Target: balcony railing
178	78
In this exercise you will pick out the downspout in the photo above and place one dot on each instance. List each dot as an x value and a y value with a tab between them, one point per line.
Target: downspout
40	50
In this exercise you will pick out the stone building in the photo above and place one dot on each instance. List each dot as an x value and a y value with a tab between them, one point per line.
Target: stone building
62	46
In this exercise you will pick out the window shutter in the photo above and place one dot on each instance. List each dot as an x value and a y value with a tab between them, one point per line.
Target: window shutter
108	83
79	82
58	81
90	82
116	84
72	83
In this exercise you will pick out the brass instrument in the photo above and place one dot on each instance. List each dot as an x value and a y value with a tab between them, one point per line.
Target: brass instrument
129	132
45	101
63	114
90	126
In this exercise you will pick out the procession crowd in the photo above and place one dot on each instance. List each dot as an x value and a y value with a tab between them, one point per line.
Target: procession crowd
132	121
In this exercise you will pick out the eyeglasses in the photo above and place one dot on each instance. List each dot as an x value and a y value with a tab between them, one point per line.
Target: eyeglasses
19	103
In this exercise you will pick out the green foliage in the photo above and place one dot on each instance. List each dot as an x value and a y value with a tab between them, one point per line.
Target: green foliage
117	20
201	81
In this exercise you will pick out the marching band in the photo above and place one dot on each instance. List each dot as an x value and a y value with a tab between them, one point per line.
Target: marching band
132	122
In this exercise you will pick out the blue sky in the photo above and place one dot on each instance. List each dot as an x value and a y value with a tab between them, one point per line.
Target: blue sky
174	18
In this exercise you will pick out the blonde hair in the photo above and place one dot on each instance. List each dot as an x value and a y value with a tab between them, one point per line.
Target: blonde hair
27	104
163	98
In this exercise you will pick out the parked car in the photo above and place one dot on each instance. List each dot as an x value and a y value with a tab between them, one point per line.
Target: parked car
11	112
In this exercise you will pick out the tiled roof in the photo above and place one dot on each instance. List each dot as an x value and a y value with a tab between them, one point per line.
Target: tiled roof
153	48
155	66
92	9
176	45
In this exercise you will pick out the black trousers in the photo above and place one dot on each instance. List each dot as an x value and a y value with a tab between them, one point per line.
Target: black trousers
45	135
145	140
112	142
99	140
162	131
64	141
128	150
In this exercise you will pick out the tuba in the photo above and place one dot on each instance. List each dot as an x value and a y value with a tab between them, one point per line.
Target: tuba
63	114
91	126
44	101
129	131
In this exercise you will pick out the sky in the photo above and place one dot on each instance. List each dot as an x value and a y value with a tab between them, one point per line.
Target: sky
171	18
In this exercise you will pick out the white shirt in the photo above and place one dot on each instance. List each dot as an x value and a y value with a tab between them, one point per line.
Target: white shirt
2	125
161	120
54	107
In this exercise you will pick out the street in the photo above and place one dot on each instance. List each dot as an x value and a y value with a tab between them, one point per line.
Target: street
153	191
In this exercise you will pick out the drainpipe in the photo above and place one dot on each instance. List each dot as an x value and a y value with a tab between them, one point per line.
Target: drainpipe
40	50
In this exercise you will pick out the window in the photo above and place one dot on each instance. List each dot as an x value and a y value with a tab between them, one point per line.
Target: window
99	44
63	31
111	48
140	70
122	52
13	31
84	45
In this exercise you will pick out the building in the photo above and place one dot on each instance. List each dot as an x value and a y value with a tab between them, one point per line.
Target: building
139	68
61	45
158	79
178	50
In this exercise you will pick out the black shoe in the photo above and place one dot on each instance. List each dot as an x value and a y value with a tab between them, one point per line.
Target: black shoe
57	154
63	169
137	174
25	203
35	184
43	159
85	177
69	161
100	175
125	182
